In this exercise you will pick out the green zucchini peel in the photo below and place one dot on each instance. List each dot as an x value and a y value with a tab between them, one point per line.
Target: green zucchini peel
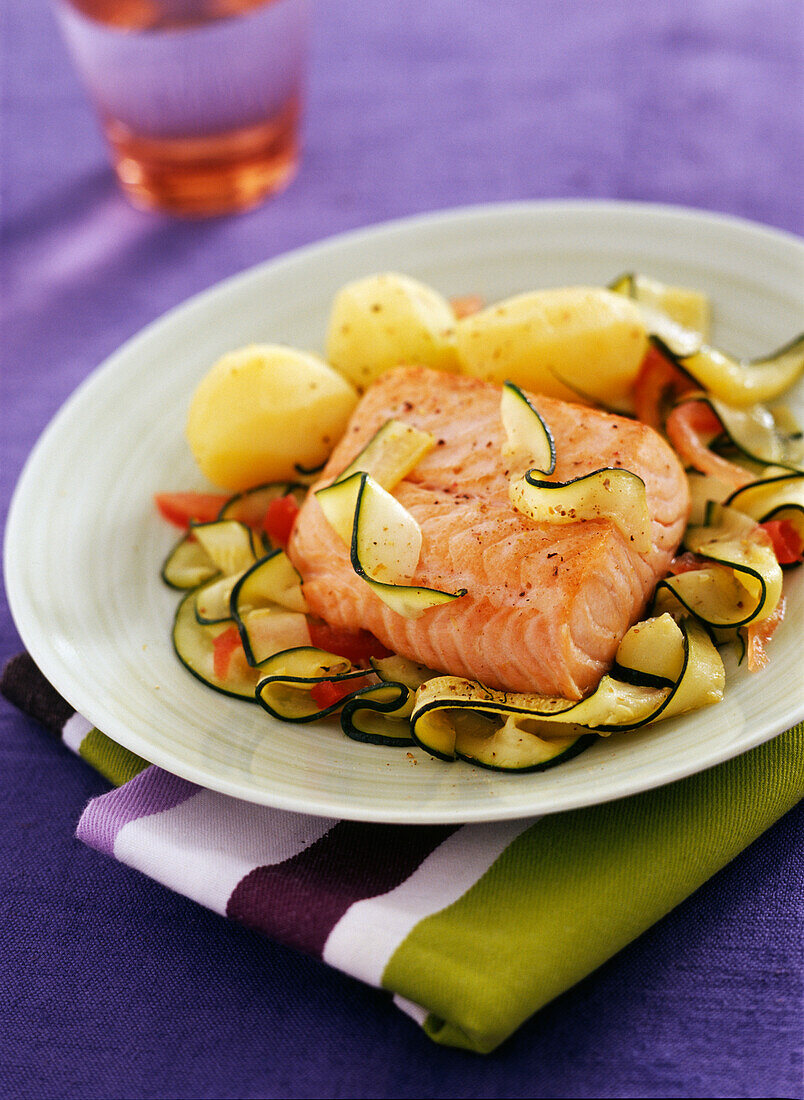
188	565
529	443
742	584
769	498
457	718
741	383
194	646
289	677
251	505
610	493
231	545
212	600
269	608
667	308
392	452
384	543
379	715
758	434
272	580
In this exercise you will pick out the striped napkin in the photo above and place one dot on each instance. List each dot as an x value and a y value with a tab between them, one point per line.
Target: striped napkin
472	928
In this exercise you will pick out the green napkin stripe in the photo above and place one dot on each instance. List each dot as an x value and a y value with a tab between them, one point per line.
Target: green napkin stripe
115	763
627	864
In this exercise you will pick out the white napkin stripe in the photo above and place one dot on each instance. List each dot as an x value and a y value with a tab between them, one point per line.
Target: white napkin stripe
204	847
75	730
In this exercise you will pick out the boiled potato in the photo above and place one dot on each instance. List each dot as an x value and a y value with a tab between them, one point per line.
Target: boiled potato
264	409
387	320
592	339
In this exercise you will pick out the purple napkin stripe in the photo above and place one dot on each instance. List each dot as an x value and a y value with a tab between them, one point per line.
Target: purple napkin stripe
151	792
300	900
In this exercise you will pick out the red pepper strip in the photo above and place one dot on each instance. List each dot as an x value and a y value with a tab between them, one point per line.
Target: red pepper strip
329	692
685	426
788	545
224	646
279	519
466	305
657	380
355	645
759	634
182	508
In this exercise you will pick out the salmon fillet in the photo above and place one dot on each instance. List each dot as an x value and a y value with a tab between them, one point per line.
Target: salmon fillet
547	605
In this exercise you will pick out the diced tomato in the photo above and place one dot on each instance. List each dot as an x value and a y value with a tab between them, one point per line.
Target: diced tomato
224	646
279	519
788	545
759	634
466	305
181	508
657	380
329	692
355	645
685	426
686	563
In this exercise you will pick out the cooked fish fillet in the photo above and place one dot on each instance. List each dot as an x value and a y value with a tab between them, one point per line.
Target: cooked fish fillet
546	605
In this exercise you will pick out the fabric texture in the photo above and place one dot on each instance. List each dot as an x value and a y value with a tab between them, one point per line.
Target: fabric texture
111	985
473	928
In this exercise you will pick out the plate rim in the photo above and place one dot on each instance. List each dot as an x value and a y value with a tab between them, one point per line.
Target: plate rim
229	286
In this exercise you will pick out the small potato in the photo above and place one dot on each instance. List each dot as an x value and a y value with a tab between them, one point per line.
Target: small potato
591	338
264	409
384	321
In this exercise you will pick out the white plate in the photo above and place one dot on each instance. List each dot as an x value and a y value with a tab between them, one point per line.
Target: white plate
84	545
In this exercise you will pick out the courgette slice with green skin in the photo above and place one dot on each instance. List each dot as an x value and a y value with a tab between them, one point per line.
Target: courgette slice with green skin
691	659
455	717
460	719
448	705
611	493
384	543
704	490
379	715
624	407
392	452
269	607
732	638
756	435
529	443
308	474
230	544
194	646
288	677
773	498
272	580
742	585
662	665
212	600
250	506
265	631
742	382
401	670
513	749
188	565
688	308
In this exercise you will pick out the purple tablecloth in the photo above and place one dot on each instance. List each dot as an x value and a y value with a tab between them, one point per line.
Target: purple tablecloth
110	985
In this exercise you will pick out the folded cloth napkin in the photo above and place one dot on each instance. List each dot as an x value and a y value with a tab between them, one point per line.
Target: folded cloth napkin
473	928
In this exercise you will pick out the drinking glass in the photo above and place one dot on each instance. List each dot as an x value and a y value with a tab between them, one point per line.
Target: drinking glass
199	99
